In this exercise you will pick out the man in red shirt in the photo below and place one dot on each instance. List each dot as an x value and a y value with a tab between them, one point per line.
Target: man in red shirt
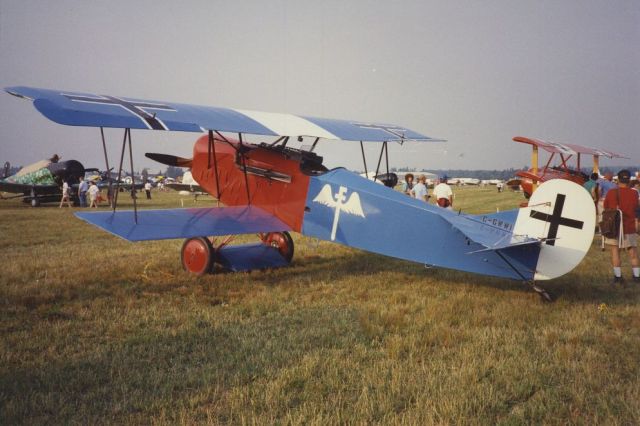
625	199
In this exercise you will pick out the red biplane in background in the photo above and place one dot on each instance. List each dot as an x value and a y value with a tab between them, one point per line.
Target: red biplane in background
530	179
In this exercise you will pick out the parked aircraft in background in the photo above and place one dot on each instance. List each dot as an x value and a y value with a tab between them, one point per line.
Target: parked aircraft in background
530	179
463	181
41	182
187	186
490	181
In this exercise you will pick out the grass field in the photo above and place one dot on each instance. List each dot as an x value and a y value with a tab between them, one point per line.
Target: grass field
97	330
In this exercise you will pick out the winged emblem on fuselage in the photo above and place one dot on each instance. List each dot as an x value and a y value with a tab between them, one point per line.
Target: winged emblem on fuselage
339	203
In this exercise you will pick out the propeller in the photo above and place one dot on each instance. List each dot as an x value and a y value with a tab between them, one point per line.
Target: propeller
170	160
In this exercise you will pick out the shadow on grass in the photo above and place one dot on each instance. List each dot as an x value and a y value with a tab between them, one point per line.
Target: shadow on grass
596	293
340	265
361	264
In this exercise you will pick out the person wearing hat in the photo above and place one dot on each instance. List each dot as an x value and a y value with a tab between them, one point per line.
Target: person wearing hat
94	191
420	191
407	185
625	199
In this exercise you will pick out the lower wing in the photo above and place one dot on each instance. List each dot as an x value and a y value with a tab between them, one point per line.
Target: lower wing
17	188
185	223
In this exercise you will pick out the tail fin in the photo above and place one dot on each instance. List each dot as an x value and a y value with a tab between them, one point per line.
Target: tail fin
563	215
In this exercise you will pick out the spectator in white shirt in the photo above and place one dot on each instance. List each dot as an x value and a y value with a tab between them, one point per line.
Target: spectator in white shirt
93	195
65	194
443	194
147	189
420	189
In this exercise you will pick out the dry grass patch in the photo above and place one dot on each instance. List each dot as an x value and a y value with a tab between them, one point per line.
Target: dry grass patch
98	330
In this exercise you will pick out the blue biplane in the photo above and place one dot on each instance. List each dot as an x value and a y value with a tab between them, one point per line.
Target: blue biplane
270	188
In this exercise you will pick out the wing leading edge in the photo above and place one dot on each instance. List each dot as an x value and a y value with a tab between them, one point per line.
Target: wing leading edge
86	109
185	223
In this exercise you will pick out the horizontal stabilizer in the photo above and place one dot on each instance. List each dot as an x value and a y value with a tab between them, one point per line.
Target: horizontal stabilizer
490	235
185	223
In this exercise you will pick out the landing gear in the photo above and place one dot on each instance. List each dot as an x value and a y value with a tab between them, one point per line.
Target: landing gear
197	255
200	257
281	241
34	198
545	296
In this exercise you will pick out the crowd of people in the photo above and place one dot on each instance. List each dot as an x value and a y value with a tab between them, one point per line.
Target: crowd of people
442	192
92	190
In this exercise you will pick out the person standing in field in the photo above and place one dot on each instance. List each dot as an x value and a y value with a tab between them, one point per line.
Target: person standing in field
592	186
65	194
407	185
443	194
420	189
604	186
625	199
82	192
147	189
110	194
93	195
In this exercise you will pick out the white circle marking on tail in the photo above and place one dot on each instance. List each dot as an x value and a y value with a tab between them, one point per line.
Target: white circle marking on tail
563	214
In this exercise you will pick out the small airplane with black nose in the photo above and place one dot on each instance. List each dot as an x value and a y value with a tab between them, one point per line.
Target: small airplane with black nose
41	182
270	188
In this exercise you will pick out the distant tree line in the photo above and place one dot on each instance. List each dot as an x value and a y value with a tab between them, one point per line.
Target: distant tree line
502	174
477	174
612	169
173	172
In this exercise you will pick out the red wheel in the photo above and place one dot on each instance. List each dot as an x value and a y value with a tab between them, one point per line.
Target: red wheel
197	255
282	241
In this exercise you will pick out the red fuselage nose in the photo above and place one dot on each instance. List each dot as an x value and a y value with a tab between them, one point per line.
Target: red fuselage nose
285	200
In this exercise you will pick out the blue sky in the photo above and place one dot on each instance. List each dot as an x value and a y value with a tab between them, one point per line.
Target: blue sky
475	73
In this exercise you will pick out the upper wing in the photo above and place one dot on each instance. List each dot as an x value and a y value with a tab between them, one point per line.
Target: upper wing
567	148
85	109
185	223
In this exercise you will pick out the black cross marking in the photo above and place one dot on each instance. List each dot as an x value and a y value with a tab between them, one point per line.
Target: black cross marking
136	108
394	130
556	219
